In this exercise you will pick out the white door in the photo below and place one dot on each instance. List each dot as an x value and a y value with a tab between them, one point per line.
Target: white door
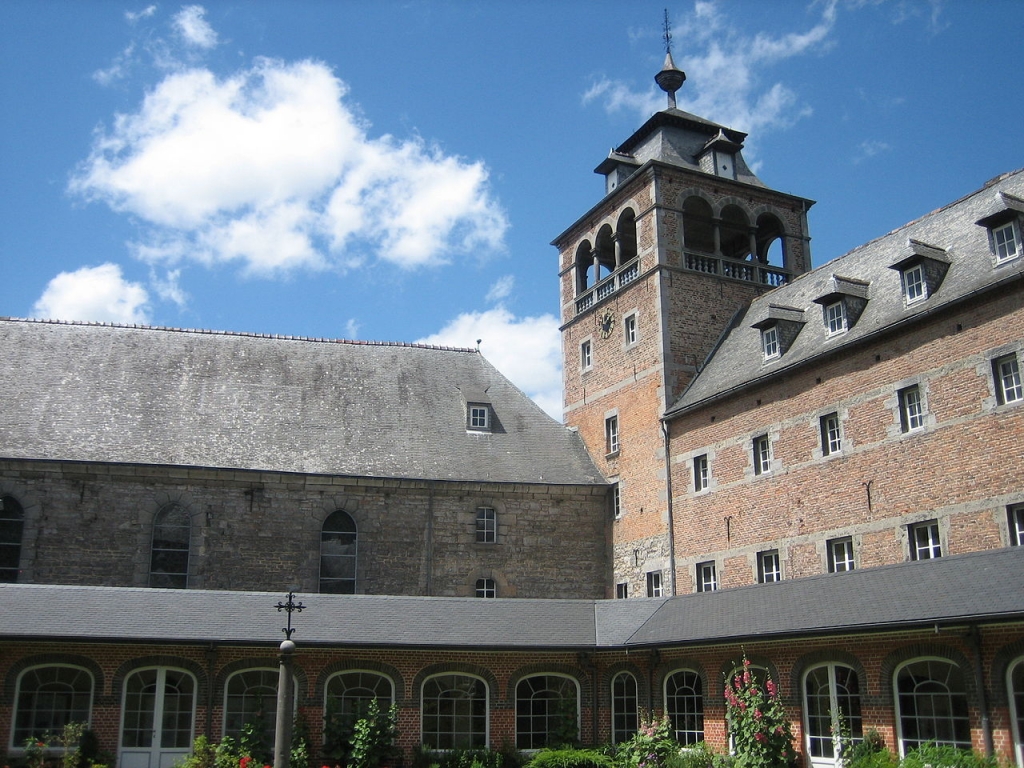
832	711
157	714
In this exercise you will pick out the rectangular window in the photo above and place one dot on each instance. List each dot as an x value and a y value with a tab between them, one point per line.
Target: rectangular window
911	409
1015	517
654	583
835	318
924	540
621	590
611	435
1006	371
479	417
629	327
486	588
486	525
769	568
914	286
762	455
707	577
831	440
770	342
840	555
615	500
586	360
701	476
1006	241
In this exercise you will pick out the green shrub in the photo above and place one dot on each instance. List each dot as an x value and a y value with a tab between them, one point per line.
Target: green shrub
945	756
697	755
650	747
570	758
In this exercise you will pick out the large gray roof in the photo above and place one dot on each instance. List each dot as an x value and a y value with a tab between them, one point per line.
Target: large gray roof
977	587
102	393
950	236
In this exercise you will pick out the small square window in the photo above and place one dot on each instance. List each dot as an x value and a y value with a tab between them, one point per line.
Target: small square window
701	474
611	435
911	409
479	417
831	439
840	555
707	577
654	583
1006	241
486	588
835	318
769	568
1006	372
914	286
770	342
762	448
586	357
1015	518
621	590
924	540
486	525
629	329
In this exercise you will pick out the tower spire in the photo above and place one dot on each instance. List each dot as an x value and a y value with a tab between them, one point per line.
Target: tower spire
671	78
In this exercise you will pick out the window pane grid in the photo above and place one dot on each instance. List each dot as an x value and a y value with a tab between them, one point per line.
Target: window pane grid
840	555
338	548
684	703
486	588
1006	242
1015	515
768	567
933	705
454	713
701	476
911	409
12	525
924	541
543	704
762	455
48	699
914	288
172	531
611	432
486	525
770	342
831	440
835	318
1008	381
625	707
707	577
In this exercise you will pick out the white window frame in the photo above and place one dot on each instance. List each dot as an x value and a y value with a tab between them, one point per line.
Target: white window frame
654	585
629	329
486	587
770	346
701	473
933	702
611	435
835	318
625	710
1015	522
586	355
486	525
841	555
911	402
1006	241
1006	372
762	454
551	707
706	576
769	566
616	500
915	287
59	712
925	540
684	706
622	590
842	702
479	417
831	434
452	718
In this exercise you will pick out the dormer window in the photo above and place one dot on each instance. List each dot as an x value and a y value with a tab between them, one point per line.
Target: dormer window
1004	227
479	417
914	286
922	271
770	342
778	330
835	318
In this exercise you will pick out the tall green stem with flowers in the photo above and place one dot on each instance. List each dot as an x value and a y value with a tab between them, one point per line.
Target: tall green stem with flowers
761	732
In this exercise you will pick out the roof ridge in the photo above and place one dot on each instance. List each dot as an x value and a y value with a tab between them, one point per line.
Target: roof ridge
240	334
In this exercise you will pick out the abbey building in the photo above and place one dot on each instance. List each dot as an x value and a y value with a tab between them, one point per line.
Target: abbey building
819	467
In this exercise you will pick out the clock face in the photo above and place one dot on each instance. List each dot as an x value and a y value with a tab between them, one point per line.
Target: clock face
606	323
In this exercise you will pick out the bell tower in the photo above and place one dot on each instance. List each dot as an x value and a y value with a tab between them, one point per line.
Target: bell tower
650	277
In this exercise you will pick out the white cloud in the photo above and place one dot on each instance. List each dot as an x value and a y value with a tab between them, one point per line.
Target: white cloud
272	169
145	13
190	23
97	294
501	289
725	68
869	149
527	350
118	69
352	329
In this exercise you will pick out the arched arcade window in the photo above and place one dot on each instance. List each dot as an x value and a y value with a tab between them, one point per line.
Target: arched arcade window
625	707
346	698
831	697
338	546
684	705
931	704
454	712
547	711
47	699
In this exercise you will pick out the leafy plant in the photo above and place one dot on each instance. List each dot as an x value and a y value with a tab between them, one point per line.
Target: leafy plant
651	746
373	739
697	755
570	757
946	756
761	732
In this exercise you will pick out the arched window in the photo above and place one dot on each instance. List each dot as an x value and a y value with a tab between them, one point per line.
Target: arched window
157	717
831	697
250	698
1015	683
547	711
346	698
172	534
454	712
49	698
604	252
698	226
771	246
338	554
931	704
736	234
12	526
684	705
625	236
625	707
584	261
486	588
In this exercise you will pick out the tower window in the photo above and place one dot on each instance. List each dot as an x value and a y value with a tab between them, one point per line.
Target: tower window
621	590
831	440
629	329
586	356
762	448
615	500
611	435
911	409
701	473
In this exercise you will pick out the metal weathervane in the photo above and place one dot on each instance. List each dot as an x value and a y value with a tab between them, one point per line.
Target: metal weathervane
292	607
667	34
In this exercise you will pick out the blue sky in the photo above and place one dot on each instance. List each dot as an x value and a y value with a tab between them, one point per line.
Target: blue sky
396	171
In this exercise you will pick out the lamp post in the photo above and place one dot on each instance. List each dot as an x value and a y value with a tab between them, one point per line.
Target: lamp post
283	731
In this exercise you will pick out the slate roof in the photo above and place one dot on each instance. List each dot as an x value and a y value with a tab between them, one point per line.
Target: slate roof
139	395
976	587
950	235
